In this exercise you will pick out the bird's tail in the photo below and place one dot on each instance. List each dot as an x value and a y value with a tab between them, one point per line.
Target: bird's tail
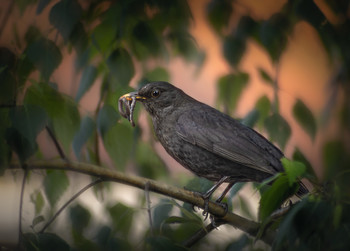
302	190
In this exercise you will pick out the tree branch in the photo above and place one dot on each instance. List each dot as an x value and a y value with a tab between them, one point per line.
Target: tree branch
215	209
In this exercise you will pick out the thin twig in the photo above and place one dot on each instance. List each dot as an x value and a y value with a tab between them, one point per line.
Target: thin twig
248	226
57	145
148	202
68	202
21	203
201	233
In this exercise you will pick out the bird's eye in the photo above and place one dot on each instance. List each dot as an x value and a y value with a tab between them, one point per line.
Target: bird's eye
155	93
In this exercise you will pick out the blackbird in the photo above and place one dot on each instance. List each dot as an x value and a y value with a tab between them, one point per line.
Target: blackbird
204	140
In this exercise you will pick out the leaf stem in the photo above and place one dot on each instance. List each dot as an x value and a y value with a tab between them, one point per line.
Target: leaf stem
68	202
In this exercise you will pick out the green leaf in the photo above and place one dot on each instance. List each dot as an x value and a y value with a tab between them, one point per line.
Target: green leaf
107	118
199	185
305	118
64	15
121	66
45	55
28	120
275	195
38	219
87	79
118	143
161	212
266	77
87	127
61	110
122	217
55	184
278	129
38	200
41	6
157	74
104	35
149	165
230	88
263	105
294	170
79	217
44	241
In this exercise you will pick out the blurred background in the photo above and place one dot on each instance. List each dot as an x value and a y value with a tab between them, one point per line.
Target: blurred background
281	67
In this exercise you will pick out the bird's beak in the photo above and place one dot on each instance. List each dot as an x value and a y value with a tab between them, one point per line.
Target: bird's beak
132	95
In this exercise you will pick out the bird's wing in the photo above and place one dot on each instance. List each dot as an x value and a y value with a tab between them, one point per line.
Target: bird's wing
226	137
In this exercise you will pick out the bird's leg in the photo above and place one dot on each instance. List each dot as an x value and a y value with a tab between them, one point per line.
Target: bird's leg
222	196
207	195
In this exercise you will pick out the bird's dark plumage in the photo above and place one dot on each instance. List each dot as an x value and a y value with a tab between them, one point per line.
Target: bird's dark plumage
209	143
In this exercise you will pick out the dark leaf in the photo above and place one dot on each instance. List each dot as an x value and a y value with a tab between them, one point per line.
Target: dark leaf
263	105
118	143
44	241
148	162
233	49
104	35
161	212
199	185
107	118
305	118
61	110
19	144
251	118
87	79
266	77
28	120
79	217
107	241
278	129
41	6
219	13
64	15
87	127
45	55
240	244
55	184
274	34
162	243
122	217
121	66
299	156
246	27
145	41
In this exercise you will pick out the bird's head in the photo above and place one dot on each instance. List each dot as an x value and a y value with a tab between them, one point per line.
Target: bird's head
158	98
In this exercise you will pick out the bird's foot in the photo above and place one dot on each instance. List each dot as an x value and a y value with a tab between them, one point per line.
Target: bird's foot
206	198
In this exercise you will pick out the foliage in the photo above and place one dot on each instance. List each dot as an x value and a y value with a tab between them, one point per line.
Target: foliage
114	43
